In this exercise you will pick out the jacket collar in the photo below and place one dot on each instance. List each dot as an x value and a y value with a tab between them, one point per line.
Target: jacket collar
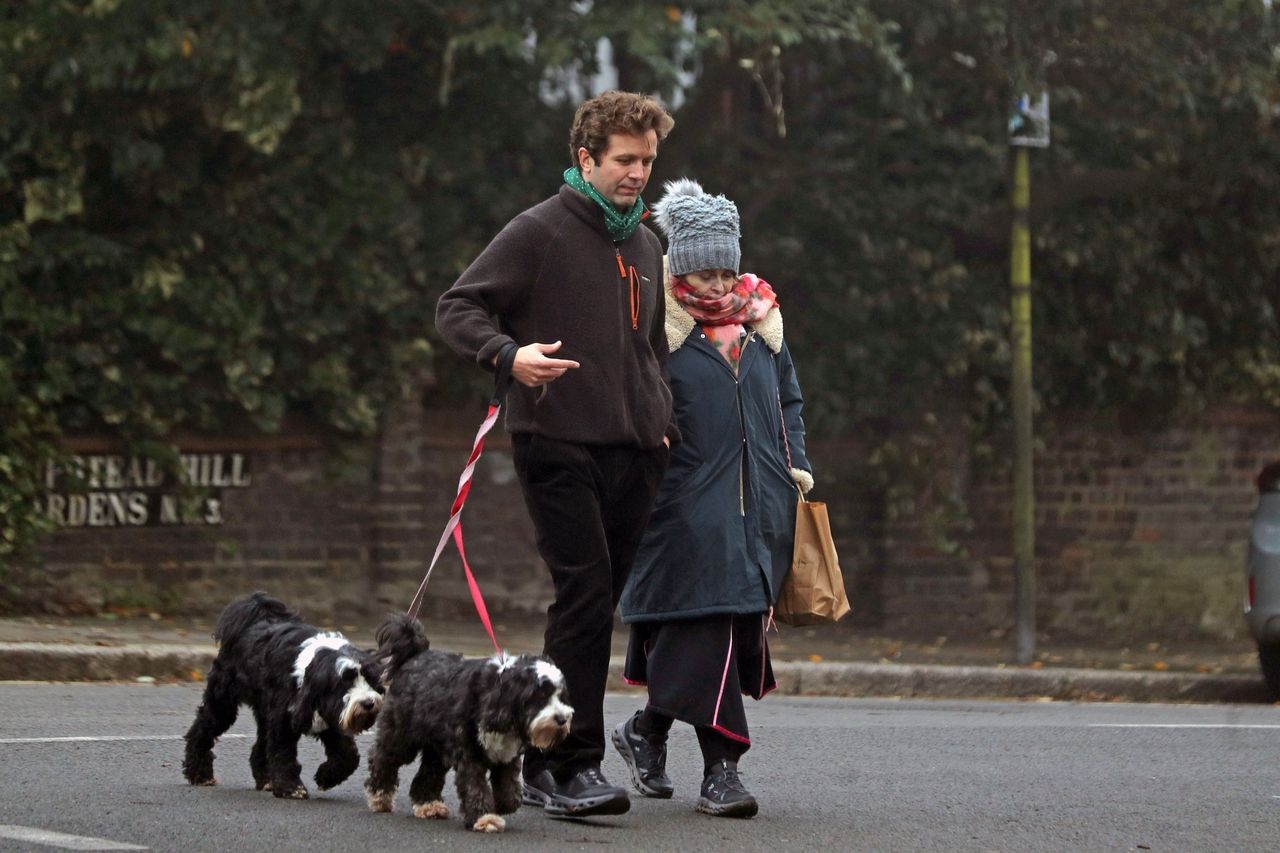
583	208
679	322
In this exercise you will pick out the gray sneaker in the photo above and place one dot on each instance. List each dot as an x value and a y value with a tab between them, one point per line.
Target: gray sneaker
646	761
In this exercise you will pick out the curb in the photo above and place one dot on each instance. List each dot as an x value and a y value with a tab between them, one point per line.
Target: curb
69	662
929	681
973	682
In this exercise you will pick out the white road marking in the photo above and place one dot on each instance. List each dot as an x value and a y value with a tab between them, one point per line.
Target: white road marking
58	839
103	739
1184	725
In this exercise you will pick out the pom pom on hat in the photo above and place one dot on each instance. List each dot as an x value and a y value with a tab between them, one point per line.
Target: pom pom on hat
702	230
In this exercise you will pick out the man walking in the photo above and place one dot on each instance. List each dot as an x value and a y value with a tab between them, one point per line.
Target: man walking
574	286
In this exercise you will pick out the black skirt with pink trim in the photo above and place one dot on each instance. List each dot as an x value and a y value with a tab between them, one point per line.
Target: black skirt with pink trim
698	670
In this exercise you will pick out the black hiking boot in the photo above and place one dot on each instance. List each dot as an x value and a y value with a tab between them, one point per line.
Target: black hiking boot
646	760
723	794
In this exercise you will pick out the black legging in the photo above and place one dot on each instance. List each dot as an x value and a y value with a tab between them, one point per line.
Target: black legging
654	725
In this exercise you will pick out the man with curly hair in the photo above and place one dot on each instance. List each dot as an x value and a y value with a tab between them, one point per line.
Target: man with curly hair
573	286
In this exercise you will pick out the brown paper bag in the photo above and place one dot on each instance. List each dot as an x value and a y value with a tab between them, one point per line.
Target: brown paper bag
813	591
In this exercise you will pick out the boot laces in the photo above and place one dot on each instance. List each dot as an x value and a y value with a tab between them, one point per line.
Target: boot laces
652	753
649	750
593	776
729	779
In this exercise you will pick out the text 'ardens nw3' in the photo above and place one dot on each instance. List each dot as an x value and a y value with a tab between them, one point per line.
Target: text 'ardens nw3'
134	491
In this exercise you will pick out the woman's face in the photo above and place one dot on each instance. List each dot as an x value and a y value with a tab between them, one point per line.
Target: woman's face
711	283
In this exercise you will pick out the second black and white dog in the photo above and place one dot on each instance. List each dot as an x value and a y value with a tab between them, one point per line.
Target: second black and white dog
474	715
298	680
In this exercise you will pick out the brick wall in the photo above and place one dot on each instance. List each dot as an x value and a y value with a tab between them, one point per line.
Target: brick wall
1138	535
294	531
327	542
422	456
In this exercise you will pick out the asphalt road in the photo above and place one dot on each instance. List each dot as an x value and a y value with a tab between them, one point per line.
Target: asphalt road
101	765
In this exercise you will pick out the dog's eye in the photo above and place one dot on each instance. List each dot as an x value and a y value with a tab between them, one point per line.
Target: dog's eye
349	674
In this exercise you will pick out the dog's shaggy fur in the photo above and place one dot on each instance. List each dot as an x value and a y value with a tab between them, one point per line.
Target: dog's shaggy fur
298	680
476	716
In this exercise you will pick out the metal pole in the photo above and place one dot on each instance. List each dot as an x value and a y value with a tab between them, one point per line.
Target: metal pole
1024	512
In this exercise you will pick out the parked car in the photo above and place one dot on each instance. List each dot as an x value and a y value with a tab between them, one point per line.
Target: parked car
1262	579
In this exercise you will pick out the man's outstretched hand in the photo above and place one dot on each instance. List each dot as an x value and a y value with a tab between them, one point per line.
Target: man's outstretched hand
533	368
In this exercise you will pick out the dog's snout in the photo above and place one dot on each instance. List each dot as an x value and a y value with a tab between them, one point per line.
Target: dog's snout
561	719
368	704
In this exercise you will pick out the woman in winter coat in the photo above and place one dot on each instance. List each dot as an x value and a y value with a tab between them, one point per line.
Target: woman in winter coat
718	543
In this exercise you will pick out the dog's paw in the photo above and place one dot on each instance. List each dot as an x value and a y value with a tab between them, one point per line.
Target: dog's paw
205	782
298	792
380	801
434	810
198	773
489	823
262	786
329	779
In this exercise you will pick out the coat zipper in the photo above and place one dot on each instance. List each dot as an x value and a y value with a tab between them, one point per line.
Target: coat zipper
742	427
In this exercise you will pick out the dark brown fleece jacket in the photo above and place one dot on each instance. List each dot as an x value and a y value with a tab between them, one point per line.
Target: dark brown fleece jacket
552	274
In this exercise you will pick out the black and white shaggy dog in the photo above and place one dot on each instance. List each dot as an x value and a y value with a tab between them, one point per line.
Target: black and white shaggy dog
474	715
299	681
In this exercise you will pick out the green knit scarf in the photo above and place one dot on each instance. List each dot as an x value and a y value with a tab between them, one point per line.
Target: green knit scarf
620	225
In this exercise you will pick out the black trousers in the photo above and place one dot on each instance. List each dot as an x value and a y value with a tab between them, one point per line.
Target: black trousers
589	506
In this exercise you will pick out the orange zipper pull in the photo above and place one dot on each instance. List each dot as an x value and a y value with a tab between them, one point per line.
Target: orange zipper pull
634	282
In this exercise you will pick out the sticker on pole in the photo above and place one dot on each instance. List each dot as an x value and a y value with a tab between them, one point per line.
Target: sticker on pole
1029	124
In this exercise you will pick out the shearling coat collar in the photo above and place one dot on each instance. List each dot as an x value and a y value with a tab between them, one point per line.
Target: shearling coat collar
679	322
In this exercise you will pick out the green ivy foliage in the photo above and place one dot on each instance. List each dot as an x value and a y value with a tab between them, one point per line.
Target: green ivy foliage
224	212
878	206
220	212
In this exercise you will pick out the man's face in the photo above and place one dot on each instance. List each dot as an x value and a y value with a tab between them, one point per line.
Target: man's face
623	169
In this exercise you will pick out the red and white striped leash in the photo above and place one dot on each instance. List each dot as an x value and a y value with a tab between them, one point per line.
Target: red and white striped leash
454	526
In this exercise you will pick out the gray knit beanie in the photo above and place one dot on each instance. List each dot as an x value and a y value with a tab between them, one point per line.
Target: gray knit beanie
702	230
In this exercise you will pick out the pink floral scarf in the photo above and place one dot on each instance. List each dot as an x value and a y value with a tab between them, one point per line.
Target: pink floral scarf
723	319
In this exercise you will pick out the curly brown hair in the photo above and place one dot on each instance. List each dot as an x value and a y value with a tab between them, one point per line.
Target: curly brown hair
615	112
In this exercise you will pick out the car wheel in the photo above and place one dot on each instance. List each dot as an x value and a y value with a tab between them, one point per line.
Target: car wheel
1269	660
